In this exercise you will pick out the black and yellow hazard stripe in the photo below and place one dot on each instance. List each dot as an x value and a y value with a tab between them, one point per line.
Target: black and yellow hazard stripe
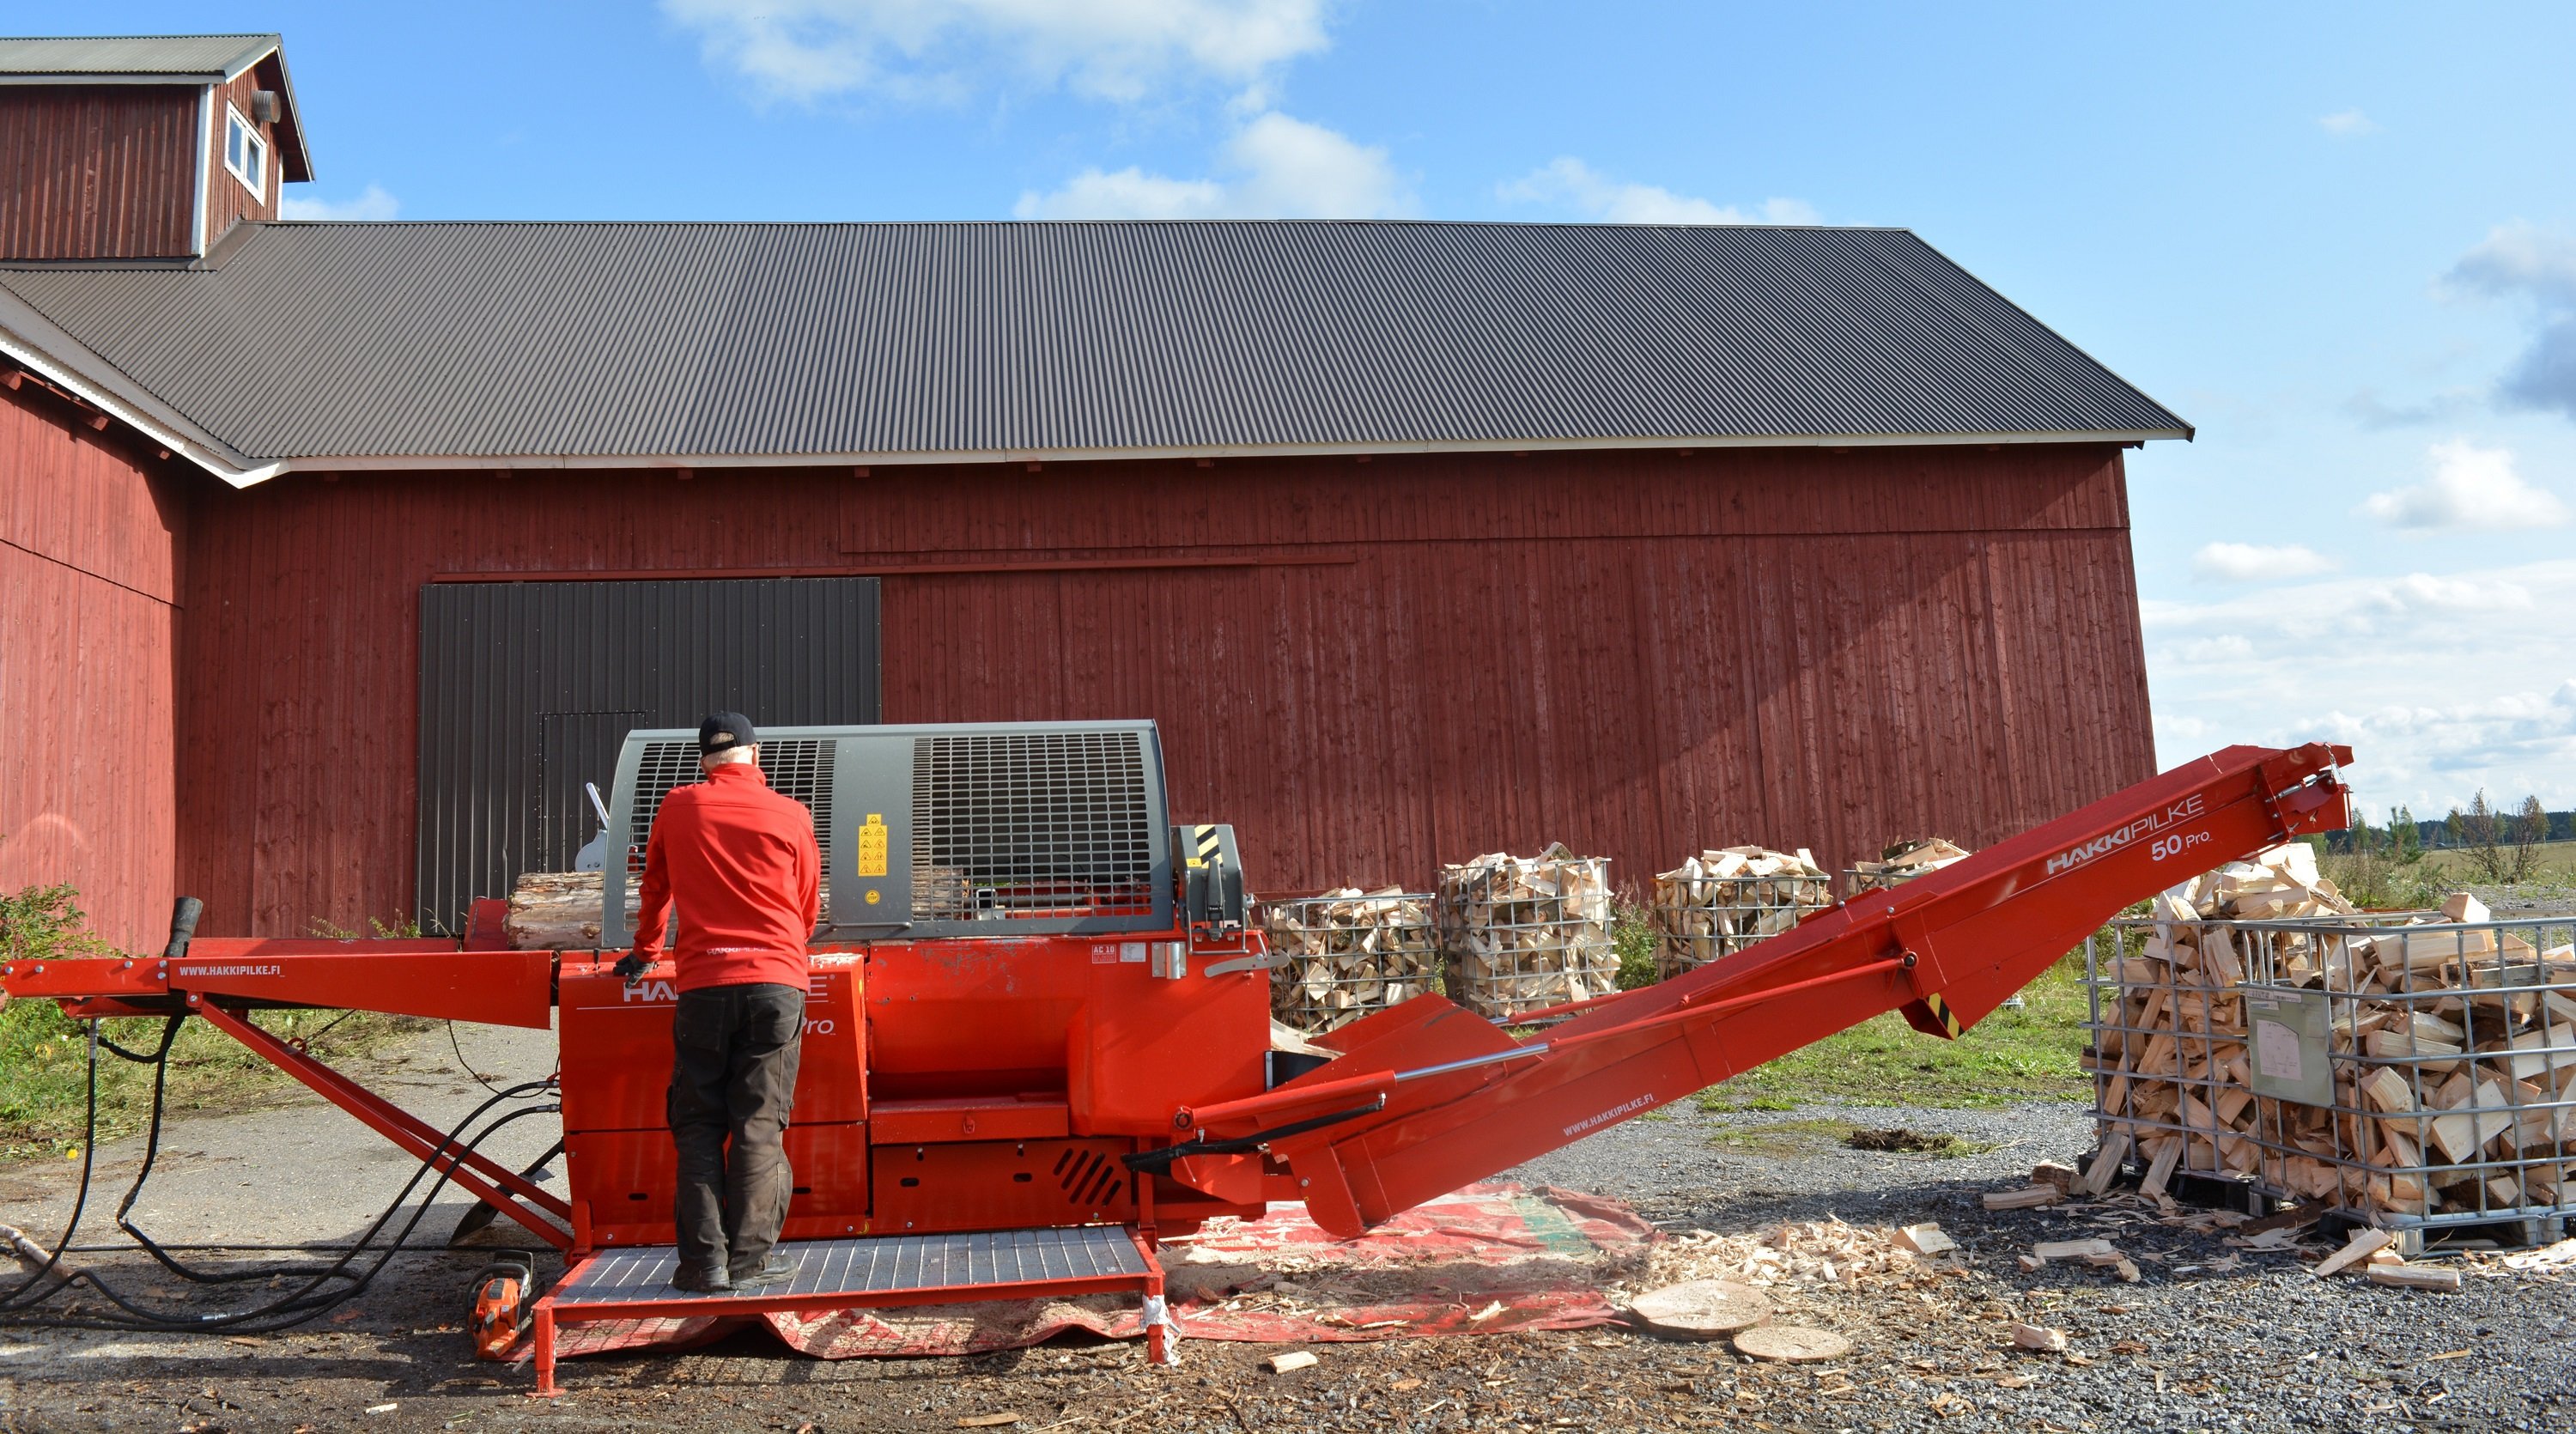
1203	845
1941	1012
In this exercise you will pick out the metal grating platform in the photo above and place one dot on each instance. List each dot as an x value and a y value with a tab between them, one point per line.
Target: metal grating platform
875	1265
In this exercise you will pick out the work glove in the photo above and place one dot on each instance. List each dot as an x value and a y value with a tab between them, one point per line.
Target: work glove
632	966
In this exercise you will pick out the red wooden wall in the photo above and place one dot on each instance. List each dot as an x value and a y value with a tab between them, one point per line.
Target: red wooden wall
1366	667
89	573
92	171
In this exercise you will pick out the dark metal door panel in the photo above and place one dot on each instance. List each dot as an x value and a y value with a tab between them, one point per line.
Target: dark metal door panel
528	690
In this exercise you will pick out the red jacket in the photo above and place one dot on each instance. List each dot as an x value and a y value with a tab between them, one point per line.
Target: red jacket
742	863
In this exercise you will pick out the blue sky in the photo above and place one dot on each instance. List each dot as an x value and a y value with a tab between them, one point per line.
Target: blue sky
2339	239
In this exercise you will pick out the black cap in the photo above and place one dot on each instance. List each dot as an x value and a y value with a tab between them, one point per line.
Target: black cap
718	731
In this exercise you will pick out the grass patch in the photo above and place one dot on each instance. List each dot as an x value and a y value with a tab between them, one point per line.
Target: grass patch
2009	1057
1782	1139
44	1055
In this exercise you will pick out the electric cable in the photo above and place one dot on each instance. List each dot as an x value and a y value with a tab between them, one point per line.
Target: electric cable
80	1201
293	1308
301	1304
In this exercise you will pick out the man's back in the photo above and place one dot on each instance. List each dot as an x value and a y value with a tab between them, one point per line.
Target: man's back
741	861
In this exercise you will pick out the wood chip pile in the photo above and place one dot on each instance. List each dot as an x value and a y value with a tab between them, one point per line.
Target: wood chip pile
1719	902
1522	933
1348	953
2452	1047
1901	863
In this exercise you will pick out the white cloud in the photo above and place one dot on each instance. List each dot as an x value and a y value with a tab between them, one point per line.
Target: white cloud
2250	562
374	203
1118	50
2441	682
1275	167
2537	266
1571	186
2471	488
2347	124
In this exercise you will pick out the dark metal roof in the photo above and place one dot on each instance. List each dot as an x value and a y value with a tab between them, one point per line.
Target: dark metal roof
173	59
778	342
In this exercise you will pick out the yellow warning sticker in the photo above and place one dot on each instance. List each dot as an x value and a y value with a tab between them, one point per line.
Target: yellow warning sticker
872	845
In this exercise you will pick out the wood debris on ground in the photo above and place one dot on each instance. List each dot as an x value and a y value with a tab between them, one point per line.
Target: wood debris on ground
1525	933
2452	1048
1812	1252
1903	861
1721	901
1347	953
1292	1361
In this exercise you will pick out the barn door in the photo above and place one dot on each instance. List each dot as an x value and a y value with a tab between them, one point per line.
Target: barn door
528	689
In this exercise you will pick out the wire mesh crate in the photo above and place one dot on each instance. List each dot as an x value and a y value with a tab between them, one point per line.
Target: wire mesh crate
1901	863
2415	1070
1719	902
1522	934
1348	953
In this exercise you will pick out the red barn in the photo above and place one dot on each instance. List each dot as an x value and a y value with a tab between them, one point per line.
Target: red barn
335	558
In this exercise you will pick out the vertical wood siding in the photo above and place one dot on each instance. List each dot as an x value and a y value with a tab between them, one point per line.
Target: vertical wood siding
88	648
228	201
1400	662
97	171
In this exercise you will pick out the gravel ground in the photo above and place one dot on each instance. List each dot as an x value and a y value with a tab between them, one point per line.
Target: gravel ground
2258	1346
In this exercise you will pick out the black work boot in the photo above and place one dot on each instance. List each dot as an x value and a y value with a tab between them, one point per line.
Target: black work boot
698	1281
775	1270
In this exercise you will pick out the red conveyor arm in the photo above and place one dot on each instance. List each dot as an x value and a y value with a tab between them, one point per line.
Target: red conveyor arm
1427	1097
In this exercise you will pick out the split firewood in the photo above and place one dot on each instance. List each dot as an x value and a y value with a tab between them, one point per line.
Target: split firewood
2363	1244
2040	1338
2032	1197
1925	1239
2414	1277
1719	902
1292	1361
2073	1249
1524	933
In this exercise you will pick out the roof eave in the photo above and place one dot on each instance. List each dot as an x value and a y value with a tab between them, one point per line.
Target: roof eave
32	342
541	462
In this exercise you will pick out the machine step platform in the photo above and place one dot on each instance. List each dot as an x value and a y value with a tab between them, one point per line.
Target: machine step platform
876	1265
876	1270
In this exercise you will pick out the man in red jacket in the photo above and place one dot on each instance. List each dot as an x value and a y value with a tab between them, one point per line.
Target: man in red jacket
741	863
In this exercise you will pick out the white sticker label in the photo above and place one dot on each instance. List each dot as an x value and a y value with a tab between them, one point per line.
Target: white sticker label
2276	1051
1131	951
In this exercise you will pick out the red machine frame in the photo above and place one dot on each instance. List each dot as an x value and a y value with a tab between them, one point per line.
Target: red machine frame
1030	1082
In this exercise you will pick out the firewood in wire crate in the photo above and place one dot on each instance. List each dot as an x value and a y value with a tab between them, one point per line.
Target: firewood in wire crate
1523	933
1348	953
1718	902
2452	1045
1901	862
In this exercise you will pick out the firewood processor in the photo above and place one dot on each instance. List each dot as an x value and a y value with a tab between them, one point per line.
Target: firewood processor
1038	1035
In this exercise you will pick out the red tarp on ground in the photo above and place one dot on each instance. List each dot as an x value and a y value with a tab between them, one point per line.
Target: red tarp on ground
1487	1259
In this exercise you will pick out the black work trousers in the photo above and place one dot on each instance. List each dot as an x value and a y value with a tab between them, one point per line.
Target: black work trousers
733	1080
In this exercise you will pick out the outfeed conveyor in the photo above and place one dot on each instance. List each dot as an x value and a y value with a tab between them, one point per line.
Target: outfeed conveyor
1037	1007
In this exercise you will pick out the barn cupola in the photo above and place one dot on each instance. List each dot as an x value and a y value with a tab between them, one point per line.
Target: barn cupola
142	146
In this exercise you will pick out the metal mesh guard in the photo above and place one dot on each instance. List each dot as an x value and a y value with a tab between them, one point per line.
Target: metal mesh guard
1031	827
799	767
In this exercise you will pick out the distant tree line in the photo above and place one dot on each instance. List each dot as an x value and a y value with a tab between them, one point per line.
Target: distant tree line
2500	845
